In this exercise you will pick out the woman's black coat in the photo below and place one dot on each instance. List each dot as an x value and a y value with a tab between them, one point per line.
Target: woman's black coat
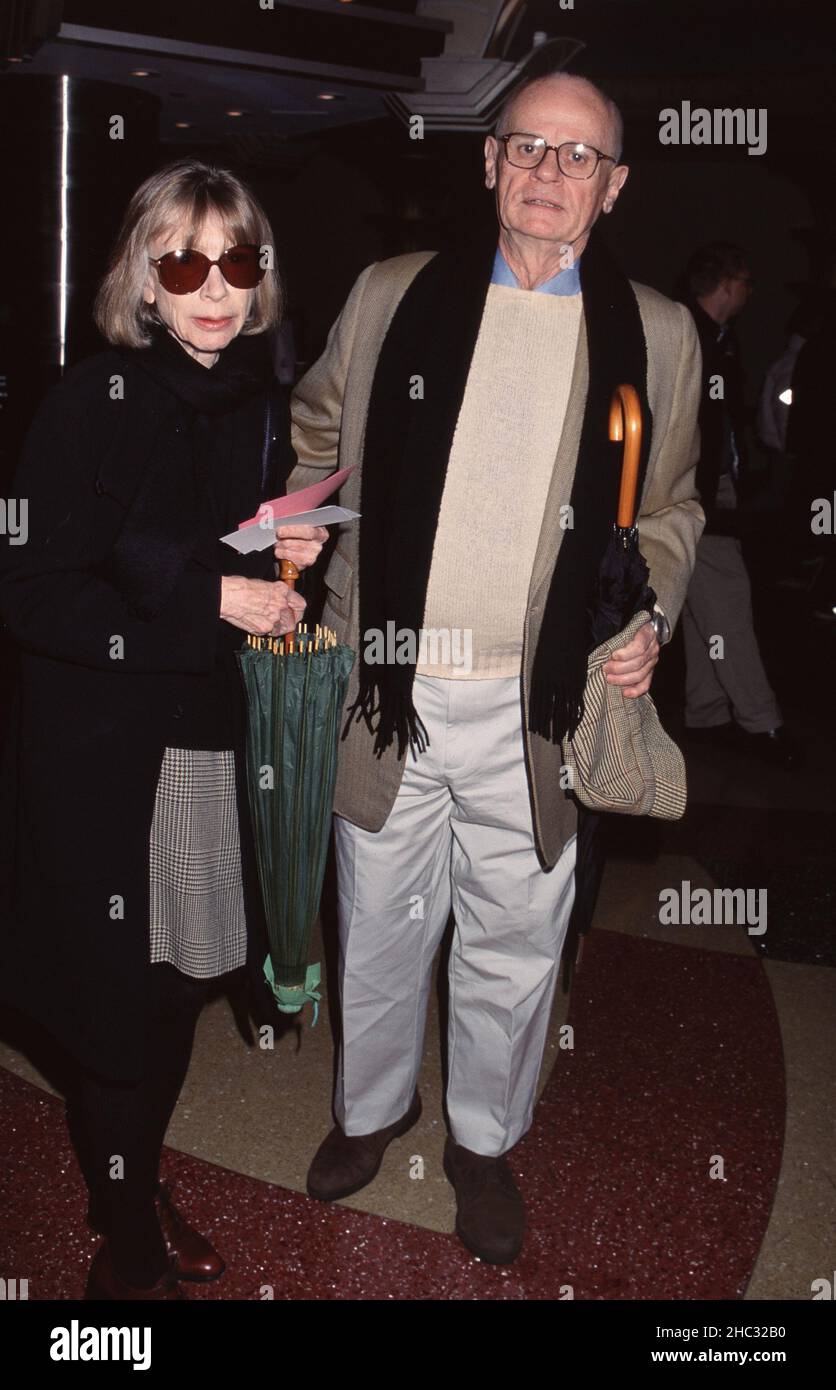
86	736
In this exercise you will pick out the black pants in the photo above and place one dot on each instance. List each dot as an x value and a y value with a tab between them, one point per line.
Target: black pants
118	1129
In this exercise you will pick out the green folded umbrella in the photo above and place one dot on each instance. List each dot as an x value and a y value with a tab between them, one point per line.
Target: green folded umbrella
294	700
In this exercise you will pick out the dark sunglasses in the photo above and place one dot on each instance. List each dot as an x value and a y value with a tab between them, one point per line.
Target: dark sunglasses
183	272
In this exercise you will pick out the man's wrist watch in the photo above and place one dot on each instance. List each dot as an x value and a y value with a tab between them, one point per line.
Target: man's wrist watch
661	627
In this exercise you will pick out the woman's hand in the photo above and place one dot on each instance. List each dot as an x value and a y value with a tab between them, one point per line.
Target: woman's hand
267	608
301	544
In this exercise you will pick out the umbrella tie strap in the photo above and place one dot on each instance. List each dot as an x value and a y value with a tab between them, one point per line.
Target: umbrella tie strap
290	999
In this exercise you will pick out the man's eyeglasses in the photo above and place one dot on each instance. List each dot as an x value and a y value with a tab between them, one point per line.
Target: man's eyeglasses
574	159
183	272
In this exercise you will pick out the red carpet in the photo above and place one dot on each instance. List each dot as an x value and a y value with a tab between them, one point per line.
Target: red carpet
676	1061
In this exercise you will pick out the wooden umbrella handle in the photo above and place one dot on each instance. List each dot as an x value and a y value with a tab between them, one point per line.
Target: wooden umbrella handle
289	573
626	420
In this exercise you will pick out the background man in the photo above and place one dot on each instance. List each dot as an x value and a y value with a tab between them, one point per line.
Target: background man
732	685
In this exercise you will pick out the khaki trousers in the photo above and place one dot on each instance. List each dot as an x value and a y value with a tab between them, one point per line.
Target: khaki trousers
460	836
719	604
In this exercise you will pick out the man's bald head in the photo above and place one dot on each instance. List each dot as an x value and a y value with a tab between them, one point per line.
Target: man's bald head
555	84
542	210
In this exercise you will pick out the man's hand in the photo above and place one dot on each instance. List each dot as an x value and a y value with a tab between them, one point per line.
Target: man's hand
261	606
301	544
631	667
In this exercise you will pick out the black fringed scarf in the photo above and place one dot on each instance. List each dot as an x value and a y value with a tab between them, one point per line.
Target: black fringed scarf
407	445
162	525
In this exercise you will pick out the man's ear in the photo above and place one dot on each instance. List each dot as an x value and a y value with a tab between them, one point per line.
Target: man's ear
617	180
491	155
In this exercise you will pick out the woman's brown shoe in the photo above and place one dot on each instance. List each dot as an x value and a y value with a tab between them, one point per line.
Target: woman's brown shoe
196	1258
104	1284
197	1261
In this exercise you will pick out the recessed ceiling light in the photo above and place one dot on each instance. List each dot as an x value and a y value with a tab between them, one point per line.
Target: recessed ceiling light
143	72
183	125
235	113
330	96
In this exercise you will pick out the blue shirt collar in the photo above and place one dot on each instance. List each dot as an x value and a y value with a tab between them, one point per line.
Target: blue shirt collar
566	281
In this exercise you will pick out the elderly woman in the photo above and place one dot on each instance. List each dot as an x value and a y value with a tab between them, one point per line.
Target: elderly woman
129	883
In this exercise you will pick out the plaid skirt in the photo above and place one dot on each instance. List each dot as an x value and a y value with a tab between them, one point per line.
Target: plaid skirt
197	919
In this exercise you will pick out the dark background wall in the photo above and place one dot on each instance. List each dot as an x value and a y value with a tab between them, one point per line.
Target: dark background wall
332	218
345	185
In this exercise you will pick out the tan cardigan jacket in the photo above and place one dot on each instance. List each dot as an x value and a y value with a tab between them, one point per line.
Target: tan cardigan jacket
329	409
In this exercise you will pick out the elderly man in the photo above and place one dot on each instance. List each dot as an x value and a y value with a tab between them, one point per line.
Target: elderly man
472	390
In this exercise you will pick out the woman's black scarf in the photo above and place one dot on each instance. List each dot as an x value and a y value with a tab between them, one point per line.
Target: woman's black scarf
161	529
432	336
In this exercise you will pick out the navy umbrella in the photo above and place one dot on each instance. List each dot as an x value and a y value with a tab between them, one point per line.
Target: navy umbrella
621	590
621	587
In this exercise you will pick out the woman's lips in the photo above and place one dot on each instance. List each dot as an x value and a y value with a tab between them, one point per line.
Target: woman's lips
213	324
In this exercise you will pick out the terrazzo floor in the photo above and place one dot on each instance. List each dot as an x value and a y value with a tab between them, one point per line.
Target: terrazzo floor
681	1148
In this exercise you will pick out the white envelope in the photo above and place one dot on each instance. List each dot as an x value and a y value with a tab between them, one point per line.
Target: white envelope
249	538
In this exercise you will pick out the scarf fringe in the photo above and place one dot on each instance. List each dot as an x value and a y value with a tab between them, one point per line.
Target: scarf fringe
397	716
554	711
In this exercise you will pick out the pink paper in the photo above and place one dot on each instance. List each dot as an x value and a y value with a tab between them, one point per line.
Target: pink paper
303	501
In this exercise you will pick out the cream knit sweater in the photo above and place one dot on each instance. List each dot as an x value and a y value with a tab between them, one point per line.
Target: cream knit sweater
498	476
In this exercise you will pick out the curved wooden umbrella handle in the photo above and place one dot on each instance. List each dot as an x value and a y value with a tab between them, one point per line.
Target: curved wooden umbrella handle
626	420
289	573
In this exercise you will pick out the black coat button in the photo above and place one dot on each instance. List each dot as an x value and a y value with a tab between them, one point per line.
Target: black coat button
178	711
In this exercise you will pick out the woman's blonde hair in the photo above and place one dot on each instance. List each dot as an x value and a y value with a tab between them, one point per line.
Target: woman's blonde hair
185	192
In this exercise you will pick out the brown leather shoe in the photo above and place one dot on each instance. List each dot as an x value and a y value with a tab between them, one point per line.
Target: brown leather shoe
344	1163
490	1213
104	1284
197	1261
